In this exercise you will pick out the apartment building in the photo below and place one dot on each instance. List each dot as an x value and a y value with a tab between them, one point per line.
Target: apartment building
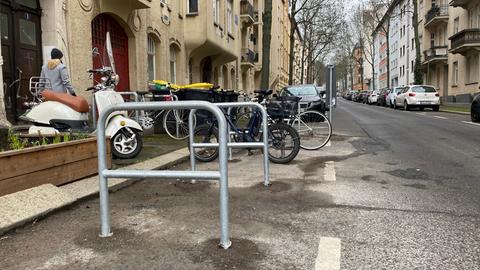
380	58
464	37
181	41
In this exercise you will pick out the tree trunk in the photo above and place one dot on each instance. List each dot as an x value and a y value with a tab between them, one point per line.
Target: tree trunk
266	38
303	66
387	35
292	50
418	74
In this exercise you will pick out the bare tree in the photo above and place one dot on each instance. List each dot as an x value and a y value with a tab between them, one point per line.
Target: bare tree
319	25
418	74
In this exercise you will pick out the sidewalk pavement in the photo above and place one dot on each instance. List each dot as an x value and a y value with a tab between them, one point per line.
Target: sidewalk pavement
28	205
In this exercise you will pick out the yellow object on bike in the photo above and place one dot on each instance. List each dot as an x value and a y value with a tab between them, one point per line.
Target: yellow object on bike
172	85
197	86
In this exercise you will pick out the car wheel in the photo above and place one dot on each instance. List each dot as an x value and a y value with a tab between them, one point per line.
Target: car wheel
422	108
405	106
436	108
475	113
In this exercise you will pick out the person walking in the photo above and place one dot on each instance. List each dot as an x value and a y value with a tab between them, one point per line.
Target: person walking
56	72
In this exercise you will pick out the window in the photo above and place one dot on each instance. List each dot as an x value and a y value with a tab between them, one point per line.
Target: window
230	16
151	58
28	32
474	17
28	3
456	25
455	73
413	43
472	69
4	34
216	11
173	64
192	6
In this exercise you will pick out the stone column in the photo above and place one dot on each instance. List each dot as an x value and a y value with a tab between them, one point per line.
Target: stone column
3	114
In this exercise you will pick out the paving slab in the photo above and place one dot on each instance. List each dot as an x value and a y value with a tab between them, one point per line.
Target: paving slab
21	207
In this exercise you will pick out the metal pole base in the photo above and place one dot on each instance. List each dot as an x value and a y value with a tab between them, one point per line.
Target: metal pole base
226	245
106	235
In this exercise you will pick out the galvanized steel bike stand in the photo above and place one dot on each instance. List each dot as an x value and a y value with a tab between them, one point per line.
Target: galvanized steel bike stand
264	144
221	175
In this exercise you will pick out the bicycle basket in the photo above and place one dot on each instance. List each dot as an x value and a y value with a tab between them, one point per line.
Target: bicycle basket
283	107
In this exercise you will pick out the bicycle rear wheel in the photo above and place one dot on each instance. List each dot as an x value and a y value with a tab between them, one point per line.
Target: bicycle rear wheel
314	129
175	123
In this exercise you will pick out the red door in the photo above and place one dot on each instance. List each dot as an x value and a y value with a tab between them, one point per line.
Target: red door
102	24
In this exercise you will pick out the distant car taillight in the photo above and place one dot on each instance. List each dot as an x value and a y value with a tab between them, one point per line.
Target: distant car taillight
411	94
437	94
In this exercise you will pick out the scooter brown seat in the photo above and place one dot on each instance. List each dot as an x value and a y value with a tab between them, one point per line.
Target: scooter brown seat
77	103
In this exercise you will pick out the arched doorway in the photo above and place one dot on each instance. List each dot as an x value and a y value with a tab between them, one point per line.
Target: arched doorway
206	67
102	24
21	51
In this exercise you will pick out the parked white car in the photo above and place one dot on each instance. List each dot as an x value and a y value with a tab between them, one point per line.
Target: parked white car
392	94
419	96
373	97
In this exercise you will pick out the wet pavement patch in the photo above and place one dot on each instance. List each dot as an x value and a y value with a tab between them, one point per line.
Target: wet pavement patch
383	182
188	186
274	187
121	238
243	254
417	186
409	173
368	178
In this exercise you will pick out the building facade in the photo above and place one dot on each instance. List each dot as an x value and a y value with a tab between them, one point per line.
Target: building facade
181	41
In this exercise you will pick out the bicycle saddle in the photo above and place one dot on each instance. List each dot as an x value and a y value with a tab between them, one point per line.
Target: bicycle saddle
264	92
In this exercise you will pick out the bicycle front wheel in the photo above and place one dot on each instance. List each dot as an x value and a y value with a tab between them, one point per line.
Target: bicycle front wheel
175	123
314	129
283	143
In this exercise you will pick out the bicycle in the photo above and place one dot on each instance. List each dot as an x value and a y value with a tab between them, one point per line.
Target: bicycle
313	127
175	122
284	141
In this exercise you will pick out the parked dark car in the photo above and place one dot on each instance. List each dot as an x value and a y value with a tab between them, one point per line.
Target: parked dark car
475	109
308	93
362	96
382	97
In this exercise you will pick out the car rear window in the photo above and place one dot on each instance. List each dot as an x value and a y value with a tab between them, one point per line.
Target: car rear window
302	90
423	89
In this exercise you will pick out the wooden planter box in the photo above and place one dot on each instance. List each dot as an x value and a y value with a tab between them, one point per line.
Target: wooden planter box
55	164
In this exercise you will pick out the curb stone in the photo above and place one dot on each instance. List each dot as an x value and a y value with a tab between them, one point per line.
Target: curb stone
19	208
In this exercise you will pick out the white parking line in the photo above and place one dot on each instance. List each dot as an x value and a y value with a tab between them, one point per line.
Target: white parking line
440	117
471	123
328	257
329	172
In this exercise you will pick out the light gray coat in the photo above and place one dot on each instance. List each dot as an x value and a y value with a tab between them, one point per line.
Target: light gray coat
57	73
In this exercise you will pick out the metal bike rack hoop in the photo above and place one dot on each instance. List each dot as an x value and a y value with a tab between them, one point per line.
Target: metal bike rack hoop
264	144
221	175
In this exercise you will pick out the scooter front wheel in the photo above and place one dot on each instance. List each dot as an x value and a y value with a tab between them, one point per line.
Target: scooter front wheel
126	145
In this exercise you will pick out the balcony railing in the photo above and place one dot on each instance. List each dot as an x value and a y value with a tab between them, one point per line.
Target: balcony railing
465	40
435	12
248	56
460	3
436	53
247	11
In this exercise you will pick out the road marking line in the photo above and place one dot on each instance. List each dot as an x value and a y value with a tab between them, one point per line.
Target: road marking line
328	144
471	123
440	117
328	257
329	172
420	113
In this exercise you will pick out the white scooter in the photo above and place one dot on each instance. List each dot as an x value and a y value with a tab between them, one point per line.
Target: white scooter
60	112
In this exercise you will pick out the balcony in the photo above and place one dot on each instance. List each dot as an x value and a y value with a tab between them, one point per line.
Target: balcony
436	54
247	13
248	58
460	3
465	41
436	15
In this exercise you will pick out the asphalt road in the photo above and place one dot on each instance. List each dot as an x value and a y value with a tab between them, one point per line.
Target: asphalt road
394	190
